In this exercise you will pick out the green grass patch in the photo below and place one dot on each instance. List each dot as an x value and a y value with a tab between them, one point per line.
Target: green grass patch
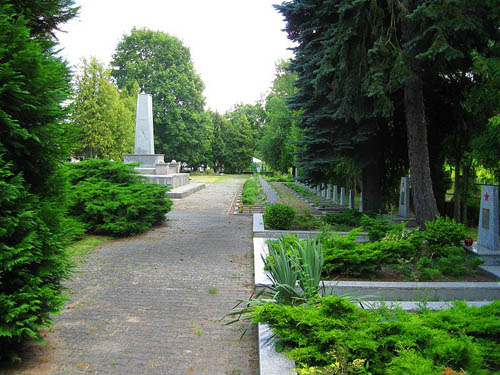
78	250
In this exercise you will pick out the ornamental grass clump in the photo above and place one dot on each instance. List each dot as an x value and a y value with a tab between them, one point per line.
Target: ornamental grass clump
111	198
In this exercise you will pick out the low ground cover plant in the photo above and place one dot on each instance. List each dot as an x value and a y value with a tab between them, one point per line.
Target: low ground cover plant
250	191
279	177
408	254
111	198
331	335
348	219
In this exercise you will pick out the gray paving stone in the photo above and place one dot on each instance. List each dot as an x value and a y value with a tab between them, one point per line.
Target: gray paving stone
142	305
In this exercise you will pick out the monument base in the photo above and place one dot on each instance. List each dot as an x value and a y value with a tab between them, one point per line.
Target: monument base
145	160
173	180
489	256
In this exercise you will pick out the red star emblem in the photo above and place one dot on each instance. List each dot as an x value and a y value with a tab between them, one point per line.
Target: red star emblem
486	196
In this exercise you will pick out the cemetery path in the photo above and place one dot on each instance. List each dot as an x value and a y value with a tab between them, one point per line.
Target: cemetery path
152	304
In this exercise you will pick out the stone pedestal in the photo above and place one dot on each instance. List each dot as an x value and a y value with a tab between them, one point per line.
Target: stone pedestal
144	139
145	160
152	166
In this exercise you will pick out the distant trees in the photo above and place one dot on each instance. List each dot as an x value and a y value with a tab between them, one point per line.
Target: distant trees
280	132
232	143
103	118
162	67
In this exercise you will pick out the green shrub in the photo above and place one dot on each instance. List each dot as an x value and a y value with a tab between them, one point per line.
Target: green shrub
110	198
279	177
350	218
279	216
452	261
443	232
250	192
33	263
376	229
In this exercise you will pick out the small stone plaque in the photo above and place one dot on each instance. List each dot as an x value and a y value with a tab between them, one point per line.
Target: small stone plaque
486	219
402	201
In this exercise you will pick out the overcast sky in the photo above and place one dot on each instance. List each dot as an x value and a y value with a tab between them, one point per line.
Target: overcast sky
234	43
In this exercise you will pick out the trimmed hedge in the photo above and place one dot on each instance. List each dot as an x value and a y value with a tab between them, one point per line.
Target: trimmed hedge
111	198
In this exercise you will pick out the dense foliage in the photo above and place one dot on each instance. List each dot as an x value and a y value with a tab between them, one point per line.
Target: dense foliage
110	198
34	83
250	191
102	117
279	216
414	66
333	334
411	254
162	67
280	128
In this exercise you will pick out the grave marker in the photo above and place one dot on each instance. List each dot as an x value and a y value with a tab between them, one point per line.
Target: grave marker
342	196
329	192
351	199
361	202
335	193
404	201
488	219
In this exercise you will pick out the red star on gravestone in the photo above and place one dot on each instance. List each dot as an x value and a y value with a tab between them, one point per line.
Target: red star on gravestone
486	196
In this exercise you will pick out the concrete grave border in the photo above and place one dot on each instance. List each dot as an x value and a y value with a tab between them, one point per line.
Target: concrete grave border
390	291
274	363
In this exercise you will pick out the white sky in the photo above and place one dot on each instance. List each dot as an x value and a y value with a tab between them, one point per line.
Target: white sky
234	43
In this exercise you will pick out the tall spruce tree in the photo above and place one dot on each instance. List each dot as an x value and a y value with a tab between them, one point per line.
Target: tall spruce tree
366	71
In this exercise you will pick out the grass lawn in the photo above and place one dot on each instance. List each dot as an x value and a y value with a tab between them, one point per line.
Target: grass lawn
79	250
287	197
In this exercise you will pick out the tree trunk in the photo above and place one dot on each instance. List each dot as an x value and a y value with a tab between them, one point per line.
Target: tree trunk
424	201
371	184
457	194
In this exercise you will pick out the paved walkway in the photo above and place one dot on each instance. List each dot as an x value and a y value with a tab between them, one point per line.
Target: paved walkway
151	304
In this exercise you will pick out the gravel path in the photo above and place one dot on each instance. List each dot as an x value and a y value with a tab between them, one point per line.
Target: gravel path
152	304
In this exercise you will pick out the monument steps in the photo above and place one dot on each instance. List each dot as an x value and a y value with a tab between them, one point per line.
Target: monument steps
185	190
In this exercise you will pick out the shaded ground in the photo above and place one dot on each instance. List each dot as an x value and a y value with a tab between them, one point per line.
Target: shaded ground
152	304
